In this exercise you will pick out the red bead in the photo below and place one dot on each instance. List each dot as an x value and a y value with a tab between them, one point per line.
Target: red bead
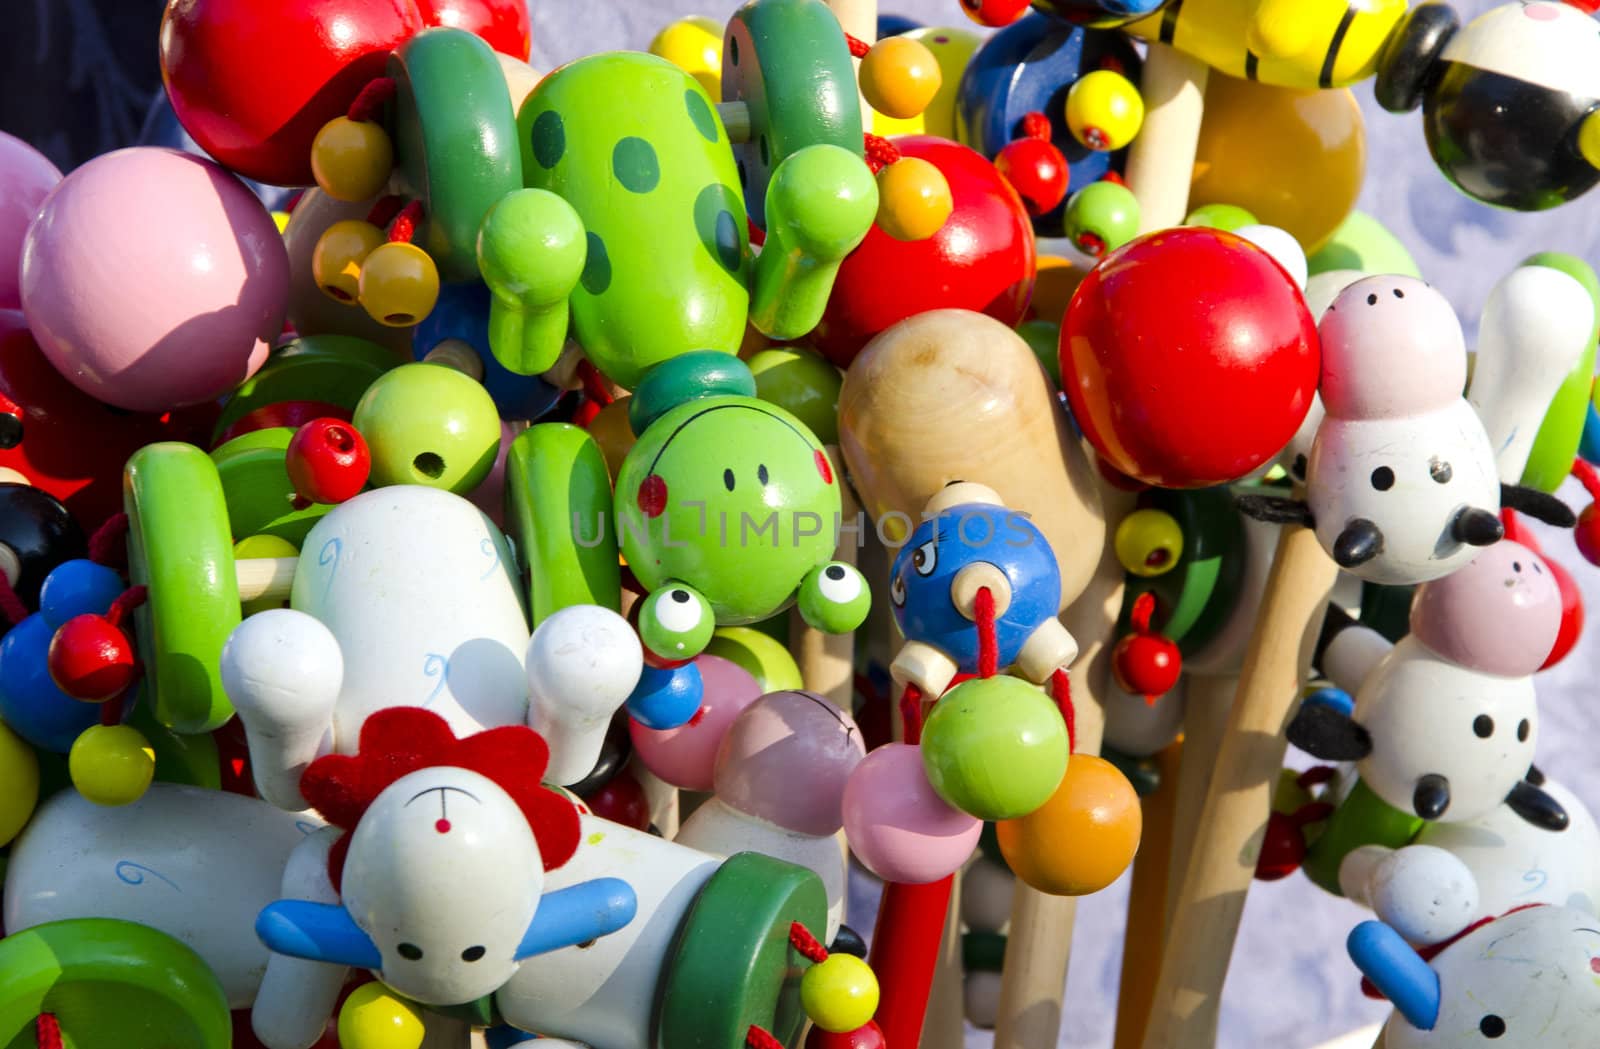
1283	849
1037	171
867	1037
91	660
1189	357
503	24
1146	664
622	801
1587	534
994	13
328	461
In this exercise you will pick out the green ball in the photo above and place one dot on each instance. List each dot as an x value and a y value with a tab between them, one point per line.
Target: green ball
804	384
676	622
1044	339
1102	217
835	599
430	425
821	201
1362	243
995	748
1226	217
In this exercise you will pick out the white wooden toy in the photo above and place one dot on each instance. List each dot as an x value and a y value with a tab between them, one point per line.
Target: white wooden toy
1426	894
297	997
583	662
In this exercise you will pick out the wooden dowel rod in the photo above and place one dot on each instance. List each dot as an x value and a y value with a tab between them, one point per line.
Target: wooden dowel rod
1207	701
827	661
1152	874
269	578
1161	158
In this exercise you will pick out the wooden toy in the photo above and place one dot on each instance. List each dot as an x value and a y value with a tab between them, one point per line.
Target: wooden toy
694	45
952	49
897	824
1098	14
26	178
31	703
1525	76
186	299
311	377
1548	461
429	425
1094	809
311	310
686	756
36	535
458	328
19	779
583	661
503	24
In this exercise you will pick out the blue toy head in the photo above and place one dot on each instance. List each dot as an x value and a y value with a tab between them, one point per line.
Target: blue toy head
1098	14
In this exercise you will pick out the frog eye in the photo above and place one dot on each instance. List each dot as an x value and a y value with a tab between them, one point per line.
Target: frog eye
834	598
897	591
676	622
925	558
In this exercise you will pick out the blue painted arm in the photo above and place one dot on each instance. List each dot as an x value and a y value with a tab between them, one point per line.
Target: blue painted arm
1396	969
579	914
320	932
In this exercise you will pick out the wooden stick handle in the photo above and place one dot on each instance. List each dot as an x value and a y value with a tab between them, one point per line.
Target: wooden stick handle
827	661
1141	946
1161	159
1208	699
859	18
1234	817
269	578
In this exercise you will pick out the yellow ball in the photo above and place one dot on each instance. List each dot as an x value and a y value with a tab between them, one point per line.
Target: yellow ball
374	1017
352	159
952	49
19	783
1589	139
112	764
255	546
913	199
1149	543
1104	110
399	284
281	220
840	993
337	258
694	45
900	77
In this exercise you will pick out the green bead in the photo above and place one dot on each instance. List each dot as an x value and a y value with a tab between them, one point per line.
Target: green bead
689	377
1226	217
763	656
1556	446
835	599
995	748
676	622
822	201
1102	217
1044	339
430	425
255	482
1362	243
800	381
983	952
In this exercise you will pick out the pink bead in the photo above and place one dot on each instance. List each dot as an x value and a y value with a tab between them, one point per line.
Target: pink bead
687	756
490	496
785	759
26	178
897	826
152	279
1391	347
1498	615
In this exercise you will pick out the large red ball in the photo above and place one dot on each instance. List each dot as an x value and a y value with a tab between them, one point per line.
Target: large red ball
1189	357
504	24
254	82
981	260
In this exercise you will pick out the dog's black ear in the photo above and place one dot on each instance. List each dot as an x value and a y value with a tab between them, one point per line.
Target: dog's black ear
1329	734
1537	807
1275	509
1538	505
1431	797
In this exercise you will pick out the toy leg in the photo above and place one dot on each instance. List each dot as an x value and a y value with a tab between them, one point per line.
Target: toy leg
1048	649
297	997
924	666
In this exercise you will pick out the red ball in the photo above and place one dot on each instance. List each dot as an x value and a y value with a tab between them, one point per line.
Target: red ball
1283	849
1146	664
328	461
622	801
981	260
1587	534
504	24
1037	171
994	12
254	82
91	660
1571	614
867	1037
1189	357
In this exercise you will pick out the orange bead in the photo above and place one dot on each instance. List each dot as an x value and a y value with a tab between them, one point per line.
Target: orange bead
337	258
351	159
913	199
1083	838
900	77
399	285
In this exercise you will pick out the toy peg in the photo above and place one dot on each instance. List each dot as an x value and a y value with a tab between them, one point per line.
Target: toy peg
827	661
1153	877
1208	699
528	313
1161	159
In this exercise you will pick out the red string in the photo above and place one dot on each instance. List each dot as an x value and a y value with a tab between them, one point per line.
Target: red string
384	210
880	152
911	714
372	99
1316	776
405	223
111	712
1311	812
11	605
988	645
1036	125
107	538
594	385
800	939
1144	606
858	48
126	602
1061	689
1588	476
47	1032
756	1038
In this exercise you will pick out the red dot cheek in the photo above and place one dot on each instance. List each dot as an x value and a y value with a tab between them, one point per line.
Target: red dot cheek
1594	965
653	496
824	467
442	826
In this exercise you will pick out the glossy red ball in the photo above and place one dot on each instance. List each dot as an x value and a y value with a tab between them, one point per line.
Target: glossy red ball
1189	357
982	259
1146	664
621	800
91	660
994	13
869	1036
253	82
1571	614
1037	171
504	24
328	461
1587	534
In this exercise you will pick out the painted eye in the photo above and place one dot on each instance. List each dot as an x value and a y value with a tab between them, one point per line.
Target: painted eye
410	952
897	591
727	479
834	598
1516	566
676	622
1523	729
839	584
1491	1026
472	954
1383	478
761	473
925	558
1483	726
1440	471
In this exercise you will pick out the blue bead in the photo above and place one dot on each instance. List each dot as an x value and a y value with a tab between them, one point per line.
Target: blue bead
666	699
896	25
462	312
1336	698
77	588
30	702
504	1037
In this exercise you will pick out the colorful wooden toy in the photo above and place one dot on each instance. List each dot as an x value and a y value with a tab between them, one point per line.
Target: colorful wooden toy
898	825
686	756
952	48
1098	14
26	178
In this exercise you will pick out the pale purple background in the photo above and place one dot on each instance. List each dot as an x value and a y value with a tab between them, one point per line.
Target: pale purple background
1291	986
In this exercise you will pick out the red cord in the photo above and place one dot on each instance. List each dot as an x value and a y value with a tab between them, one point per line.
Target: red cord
988	645
1144	606
911	714
756	1038
372	99
1315	776
858	48
880	152
1309	813
1061	689
48	1032
1588	477
126	602
594	386
405	223
384	210
1036	125
800	939
107	538
11	605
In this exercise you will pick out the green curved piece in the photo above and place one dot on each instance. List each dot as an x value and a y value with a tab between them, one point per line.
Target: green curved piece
558	506
1556	446
331	369
256	487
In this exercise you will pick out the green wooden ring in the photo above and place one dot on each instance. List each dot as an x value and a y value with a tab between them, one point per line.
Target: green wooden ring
558	507
257	490
1198	593
983	952
110	984
180	547
765	657
1362	818
331	369
789	62
733	966
456	140
687	377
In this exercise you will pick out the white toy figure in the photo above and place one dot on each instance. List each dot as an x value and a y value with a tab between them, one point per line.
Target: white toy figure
780	776
1445	723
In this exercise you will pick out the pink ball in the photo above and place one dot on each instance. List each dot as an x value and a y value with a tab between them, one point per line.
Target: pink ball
1498	615
153	279
897	826
786	758
26	178
1391	347
687	756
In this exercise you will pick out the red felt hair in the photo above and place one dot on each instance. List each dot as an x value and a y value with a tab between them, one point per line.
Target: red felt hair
398	741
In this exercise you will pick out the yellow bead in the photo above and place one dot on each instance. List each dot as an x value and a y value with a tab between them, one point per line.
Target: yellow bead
694	45
352	159
340	251
112	764
255	546
899	77
1104	110
1589	139
19	783
913	199
399	285
1149	543
281	220
374	1017
840	993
